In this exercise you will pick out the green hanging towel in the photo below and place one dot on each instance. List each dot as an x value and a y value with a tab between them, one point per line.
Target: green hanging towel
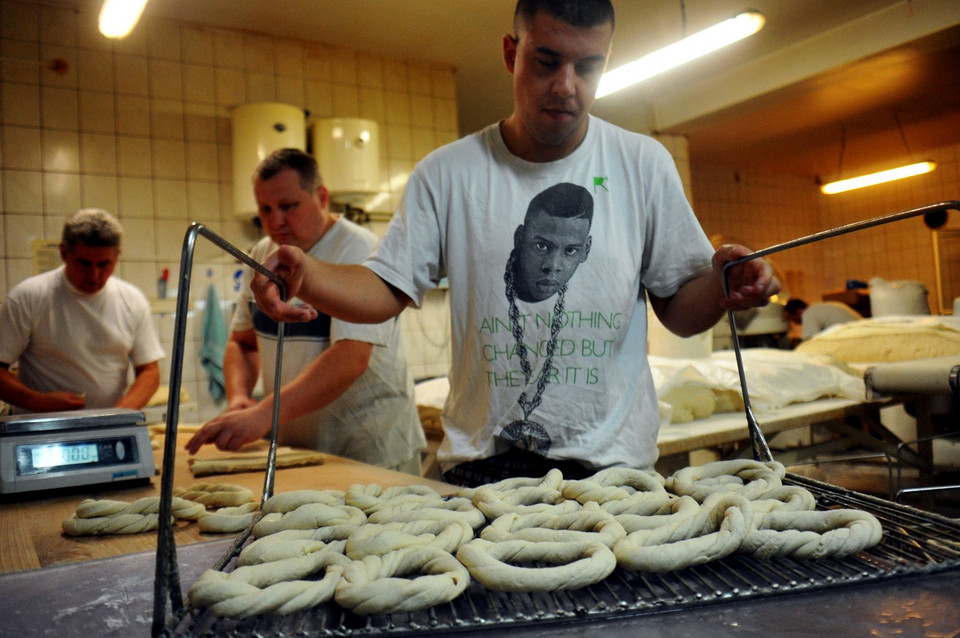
214	344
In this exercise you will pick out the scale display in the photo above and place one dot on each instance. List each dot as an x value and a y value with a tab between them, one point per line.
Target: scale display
68	449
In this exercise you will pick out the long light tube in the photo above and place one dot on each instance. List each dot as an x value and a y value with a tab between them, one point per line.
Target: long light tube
690	48
872	179
118	17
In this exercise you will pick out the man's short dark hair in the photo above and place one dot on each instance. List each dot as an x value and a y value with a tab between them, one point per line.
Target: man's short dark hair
795	305
284	158
91	227
578	13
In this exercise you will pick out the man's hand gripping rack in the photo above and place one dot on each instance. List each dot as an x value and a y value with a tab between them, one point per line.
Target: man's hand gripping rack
761	451
167	577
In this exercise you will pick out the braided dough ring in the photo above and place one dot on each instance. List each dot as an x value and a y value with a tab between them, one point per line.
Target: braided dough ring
553	479
380	539
216	494
289	501
671	512
716	531
790	498
371	498
373	585
589	524
839	532
105	525
228	520
106	517
574	564
522	500
284	545
309	516
454	509
750	479
269	588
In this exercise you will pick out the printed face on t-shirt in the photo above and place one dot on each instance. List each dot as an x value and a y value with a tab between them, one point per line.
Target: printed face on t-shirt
550	250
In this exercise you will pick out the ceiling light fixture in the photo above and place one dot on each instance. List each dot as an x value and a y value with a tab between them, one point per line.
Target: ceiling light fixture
690	48
118	17
872	179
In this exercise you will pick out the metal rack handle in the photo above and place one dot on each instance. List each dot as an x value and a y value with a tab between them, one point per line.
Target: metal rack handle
761	451
167	575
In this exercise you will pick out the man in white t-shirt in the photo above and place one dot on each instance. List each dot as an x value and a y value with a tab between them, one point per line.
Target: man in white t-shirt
76	331
814	318
535	382
346	388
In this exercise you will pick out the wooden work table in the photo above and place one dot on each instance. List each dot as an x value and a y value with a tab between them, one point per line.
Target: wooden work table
30	528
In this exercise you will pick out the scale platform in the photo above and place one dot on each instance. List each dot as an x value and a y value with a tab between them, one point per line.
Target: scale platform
53	450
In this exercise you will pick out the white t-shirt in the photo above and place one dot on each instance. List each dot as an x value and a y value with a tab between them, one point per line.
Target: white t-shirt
457	219
820	316
375	420
68	341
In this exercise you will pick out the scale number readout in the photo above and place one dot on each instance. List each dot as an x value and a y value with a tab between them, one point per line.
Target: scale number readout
64	454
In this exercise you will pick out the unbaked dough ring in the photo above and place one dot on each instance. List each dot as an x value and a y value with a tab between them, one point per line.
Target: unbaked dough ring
374	585
553	479
373	497
837	532
107	517
750	479
573	564
288	501
229	520
521	500
453	509
269	588
216	494
380	539
276	547
309	516
789	498
106	525
716	531
588	524
671	512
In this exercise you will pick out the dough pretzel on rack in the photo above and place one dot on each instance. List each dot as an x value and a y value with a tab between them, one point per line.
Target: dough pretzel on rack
380	539
371	498
308	517
813	534
620	491
718	530
512	565
588	524
228	520
216	494
749	479
453	509
672	511
375	584
275	587
284	502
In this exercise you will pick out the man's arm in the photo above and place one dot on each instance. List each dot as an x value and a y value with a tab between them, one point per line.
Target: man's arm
350	292
145	383
241	368
700	303
14	392
319	384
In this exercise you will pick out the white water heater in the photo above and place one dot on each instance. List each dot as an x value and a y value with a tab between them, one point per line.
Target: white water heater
259	128
348	152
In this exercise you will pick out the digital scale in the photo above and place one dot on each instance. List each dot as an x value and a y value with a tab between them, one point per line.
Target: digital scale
51	450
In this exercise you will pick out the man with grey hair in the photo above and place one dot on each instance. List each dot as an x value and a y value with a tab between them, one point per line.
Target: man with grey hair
76	330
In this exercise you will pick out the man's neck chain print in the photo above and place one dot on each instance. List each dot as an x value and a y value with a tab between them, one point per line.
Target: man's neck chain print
542	378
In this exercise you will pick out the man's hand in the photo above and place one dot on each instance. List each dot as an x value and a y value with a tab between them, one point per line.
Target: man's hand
58	402
750	284
289	264
231	430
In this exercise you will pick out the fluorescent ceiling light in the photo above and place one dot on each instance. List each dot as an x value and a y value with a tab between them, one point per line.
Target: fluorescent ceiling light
118	17
673	55
863	181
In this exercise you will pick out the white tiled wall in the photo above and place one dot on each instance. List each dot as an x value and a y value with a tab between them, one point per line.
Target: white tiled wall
141	127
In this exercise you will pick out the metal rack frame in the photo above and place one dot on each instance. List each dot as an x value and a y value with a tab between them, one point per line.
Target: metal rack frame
167	576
